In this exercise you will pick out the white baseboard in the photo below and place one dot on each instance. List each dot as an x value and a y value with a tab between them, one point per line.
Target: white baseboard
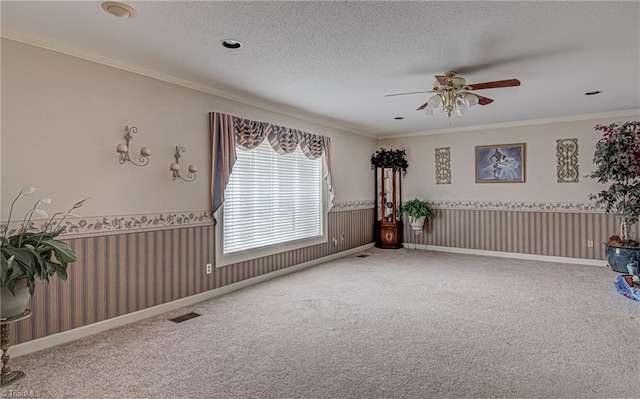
85	331
514	255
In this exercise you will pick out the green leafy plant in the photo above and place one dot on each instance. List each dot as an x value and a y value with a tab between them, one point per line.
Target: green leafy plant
35	254
617	160
416	209
394	159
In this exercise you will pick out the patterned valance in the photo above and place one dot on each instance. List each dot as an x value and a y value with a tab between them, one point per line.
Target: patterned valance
227	131
250	134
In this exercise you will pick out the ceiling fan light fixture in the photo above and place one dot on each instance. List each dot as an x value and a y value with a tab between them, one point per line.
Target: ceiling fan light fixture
434	101
470	99
453	94
461	108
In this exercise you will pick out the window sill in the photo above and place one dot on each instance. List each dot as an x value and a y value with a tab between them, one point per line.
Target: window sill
250	254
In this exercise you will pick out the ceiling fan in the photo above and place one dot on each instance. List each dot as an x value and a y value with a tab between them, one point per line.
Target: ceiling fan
455	95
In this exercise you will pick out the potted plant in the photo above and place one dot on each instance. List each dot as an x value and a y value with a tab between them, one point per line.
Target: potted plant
394	159
27	254
417	211
617	160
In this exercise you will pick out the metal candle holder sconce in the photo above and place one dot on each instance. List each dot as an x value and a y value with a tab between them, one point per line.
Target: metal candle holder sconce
175	167
123	149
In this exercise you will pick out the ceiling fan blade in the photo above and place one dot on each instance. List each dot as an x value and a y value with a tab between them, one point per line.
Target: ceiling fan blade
483	100
411	92
423	106
442	80
496	84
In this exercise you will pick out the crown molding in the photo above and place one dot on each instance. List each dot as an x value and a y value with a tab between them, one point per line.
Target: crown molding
60	47
530	122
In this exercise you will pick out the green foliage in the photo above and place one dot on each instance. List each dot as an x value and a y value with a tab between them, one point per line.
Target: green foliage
617	161
395	159
416	208
34	255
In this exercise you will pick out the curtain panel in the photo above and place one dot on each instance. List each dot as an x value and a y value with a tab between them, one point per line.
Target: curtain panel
227	131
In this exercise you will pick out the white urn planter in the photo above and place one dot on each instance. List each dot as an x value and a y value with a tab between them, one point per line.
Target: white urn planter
13	305
418	224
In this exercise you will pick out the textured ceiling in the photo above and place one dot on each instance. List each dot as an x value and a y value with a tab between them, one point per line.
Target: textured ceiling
337	60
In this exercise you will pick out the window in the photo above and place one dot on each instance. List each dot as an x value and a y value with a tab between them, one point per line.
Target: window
271	199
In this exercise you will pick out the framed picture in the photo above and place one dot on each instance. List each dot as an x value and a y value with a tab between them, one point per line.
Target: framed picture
500	163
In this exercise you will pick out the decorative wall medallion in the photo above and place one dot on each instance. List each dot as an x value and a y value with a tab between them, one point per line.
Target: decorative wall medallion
443	165
567	156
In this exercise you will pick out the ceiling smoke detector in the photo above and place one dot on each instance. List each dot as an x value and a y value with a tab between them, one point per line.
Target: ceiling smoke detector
119	10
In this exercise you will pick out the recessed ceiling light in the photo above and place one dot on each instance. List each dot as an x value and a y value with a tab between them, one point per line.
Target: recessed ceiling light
119	10
230	43
592	93
398	117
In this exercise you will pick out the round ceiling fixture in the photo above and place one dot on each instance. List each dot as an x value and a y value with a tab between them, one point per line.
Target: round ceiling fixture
119	10
231	44
592	93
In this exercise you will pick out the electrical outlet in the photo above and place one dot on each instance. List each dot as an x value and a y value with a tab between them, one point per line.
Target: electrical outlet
335	242
590	243
208	268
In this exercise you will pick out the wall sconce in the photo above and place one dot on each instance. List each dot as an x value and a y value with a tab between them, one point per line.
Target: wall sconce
175	166
123	149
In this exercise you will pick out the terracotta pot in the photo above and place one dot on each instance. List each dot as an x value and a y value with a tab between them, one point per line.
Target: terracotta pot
14	305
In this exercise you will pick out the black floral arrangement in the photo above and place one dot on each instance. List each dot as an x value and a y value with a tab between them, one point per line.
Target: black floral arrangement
394	159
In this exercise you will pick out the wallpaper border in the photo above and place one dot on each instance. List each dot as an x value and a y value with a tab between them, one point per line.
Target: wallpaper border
582	207
352	205
121	224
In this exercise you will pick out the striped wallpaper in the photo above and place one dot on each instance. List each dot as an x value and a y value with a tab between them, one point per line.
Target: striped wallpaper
122	273
520	231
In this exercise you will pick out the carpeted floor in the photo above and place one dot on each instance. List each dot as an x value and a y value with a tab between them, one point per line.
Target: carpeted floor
396	324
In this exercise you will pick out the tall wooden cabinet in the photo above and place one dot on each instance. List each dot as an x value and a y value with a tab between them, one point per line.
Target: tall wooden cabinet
388	224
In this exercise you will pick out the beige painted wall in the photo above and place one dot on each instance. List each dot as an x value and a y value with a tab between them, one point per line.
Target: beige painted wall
541	180
62	118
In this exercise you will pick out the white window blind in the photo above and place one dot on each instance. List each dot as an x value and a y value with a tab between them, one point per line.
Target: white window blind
271	199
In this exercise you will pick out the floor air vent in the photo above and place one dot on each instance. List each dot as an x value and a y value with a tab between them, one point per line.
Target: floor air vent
184	317
362	256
